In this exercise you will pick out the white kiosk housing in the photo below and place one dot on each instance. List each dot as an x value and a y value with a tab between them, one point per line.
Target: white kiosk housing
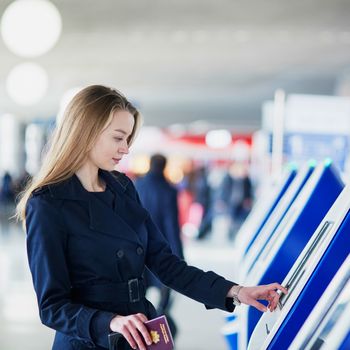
312	272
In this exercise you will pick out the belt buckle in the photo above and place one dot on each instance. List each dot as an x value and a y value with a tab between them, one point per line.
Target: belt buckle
134	293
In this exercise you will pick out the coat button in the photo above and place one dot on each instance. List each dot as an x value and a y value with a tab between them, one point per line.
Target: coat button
120	253
139	250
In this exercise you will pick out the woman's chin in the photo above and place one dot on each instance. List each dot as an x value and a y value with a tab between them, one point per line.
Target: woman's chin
110	167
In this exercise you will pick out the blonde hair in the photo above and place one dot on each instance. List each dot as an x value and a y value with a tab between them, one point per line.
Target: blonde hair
86	116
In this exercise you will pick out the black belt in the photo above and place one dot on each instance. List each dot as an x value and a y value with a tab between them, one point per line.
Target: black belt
131	291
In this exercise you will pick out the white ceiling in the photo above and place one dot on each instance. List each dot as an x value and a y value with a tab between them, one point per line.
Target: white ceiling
185	60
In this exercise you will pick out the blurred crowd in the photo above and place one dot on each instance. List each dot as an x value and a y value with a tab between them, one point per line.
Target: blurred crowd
208	193
10	188
211	192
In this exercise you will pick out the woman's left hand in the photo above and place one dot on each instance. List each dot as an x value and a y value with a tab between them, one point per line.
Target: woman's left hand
268	292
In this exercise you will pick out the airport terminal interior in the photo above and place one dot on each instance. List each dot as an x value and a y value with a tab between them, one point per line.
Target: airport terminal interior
242	161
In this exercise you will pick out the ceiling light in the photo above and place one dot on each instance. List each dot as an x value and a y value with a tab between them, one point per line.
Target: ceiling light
30	28
27	83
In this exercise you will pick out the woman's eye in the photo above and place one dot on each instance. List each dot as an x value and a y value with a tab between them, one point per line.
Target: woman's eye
118	138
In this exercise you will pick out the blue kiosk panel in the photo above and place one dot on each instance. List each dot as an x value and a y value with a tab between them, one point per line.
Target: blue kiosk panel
262	211
326	269
321	258
345	345
328	325
276	218
302	219
283	188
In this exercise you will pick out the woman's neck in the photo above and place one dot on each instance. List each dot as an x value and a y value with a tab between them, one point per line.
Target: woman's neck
88	176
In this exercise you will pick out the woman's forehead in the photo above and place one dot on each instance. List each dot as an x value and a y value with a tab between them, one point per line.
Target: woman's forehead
122	118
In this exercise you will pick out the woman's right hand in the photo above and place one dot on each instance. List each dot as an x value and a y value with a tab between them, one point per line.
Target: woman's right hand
133	329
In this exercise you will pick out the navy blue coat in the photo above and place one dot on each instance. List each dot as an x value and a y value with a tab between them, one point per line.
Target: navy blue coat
160	199
75	241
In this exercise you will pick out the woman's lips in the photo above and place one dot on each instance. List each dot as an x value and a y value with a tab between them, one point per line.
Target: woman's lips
116	160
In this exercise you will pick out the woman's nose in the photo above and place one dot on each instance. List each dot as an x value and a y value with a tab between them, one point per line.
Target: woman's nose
124	149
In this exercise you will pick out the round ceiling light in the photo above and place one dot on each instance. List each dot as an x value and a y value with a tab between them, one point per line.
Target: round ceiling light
30	28
27	83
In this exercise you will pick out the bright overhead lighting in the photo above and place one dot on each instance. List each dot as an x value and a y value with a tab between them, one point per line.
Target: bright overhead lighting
218	138
30	28
27	83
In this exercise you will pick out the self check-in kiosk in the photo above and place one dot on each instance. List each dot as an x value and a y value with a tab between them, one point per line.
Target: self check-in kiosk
263	208
310	275
290	238
256	247
262	211
328	326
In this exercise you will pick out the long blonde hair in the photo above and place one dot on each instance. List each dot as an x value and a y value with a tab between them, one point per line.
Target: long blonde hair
89	112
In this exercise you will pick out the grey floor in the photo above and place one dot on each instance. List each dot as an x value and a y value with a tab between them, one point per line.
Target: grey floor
20	327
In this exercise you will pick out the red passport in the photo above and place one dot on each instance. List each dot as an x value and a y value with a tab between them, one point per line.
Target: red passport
160	334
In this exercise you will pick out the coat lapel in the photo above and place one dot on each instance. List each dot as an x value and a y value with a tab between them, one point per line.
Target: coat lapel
123	222
106	220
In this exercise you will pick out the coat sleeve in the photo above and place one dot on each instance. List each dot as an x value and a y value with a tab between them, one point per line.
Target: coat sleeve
205	287
46	248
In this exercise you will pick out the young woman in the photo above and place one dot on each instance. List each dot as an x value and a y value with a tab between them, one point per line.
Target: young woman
89	239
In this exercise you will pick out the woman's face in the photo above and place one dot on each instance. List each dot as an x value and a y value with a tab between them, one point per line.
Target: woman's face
112	143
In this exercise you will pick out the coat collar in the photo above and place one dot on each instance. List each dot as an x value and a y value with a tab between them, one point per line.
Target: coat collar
123	221
73	189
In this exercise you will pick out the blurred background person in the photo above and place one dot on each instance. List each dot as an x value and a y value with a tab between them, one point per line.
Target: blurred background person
7	193
21	182
203	196
159	197
7	201
236	195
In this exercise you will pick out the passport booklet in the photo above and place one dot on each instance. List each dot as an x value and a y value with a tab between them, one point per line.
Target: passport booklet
159	331
160	334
